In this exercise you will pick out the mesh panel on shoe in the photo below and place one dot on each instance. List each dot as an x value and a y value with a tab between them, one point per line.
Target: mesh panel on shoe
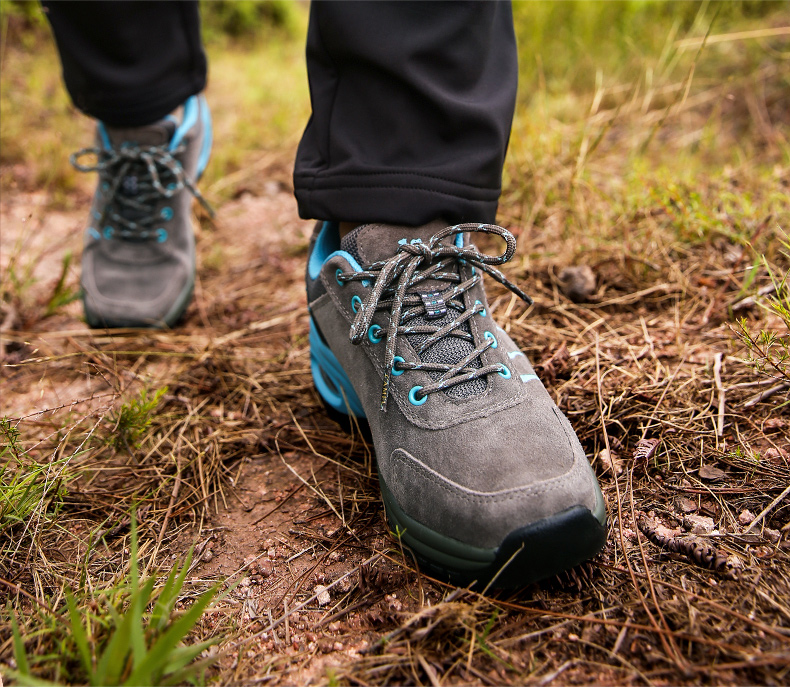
449	350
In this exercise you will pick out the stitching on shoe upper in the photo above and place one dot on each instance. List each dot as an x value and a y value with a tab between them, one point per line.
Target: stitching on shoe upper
570	476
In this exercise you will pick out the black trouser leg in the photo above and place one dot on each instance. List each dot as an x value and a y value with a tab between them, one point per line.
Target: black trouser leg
129	63
412	108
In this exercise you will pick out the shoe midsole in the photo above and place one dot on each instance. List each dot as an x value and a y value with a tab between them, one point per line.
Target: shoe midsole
330	379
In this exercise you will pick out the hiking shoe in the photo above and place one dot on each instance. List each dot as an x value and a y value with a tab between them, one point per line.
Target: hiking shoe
138	260
481	474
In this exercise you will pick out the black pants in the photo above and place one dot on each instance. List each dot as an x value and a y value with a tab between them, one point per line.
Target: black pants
412	102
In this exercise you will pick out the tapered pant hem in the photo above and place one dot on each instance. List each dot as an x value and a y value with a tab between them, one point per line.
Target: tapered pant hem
397	198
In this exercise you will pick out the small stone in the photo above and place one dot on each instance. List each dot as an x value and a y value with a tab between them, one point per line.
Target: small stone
266	568
772	535
338	647
208	556
272	553
244	582
777	455
686	506
577	283
323	597
776	424
699	525
745	517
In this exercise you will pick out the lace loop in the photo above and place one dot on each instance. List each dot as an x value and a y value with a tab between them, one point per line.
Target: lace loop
413	263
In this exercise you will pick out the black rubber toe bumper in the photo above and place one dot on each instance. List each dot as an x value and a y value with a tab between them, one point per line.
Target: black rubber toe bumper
526	555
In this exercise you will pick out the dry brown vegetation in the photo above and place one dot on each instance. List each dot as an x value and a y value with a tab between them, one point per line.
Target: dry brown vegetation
691	444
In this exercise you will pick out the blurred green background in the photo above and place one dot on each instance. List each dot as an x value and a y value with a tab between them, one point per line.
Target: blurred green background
593	76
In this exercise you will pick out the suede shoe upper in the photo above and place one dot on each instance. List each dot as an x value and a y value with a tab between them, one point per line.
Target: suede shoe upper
467	439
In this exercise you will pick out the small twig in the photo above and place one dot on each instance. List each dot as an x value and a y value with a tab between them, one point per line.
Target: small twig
722	393
19	590
762	514
766	394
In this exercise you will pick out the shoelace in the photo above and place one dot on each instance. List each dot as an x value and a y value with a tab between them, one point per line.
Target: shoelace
149	166
414	263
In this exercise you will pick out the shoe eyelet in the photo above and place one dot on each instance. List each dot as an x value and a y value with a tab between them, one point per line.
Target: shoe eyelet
340	281
356	304
504	371
166	213
171	186
483	312
161	235
488	335
413	399
108	231
372	334
395	371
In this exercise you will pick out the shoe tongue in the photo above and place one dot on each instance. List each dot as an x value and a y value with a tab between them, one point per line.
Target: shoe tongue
376	242
158	133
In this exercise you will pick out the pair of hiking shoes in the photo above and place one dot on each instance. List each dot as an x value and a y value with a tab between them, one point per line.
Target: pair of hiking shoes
481	475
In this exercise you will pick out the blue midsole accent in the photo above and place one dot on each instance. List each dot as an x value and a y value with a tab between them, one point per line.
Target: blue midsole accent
208	137
187	121
337	391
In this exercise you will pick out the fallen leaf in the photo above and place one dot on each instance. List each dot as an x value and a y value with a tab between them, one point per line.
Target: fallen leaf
611	461
708	472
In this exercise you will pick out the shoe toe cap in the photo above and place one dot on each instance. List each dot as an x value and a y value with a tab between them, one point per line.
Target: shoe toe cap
500	491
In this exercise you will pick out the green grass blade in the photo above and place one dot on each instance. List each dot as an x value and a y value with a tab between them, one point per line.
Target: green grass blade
79	635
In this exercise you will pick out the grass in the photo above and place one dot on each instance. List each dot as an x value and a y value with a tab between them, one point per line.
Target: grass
660	163
128	635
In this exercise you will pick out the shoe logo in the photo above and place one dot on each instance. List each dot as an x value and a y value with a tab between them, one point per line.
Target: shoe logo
129	186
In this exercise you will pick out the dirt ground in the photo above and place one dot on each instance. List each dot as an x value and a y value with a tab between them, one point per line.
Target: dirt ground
242	463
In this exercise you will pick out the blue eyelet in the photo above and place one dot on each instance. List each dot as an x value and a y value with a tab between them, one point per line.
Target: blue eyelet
94	233
372	334
340	281
108	231
166	213
504	371
161	235
395	371
171	186
356	304
482	310
415	400
488	335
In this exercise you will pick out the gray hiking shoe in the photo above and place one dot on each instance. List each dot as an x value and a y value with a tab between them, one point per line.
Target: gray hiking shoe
481	474
138	260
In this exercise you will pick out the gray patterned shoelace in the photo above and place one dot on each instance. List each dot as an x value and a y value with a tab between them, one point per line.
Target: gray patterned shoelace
139	179
393	291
